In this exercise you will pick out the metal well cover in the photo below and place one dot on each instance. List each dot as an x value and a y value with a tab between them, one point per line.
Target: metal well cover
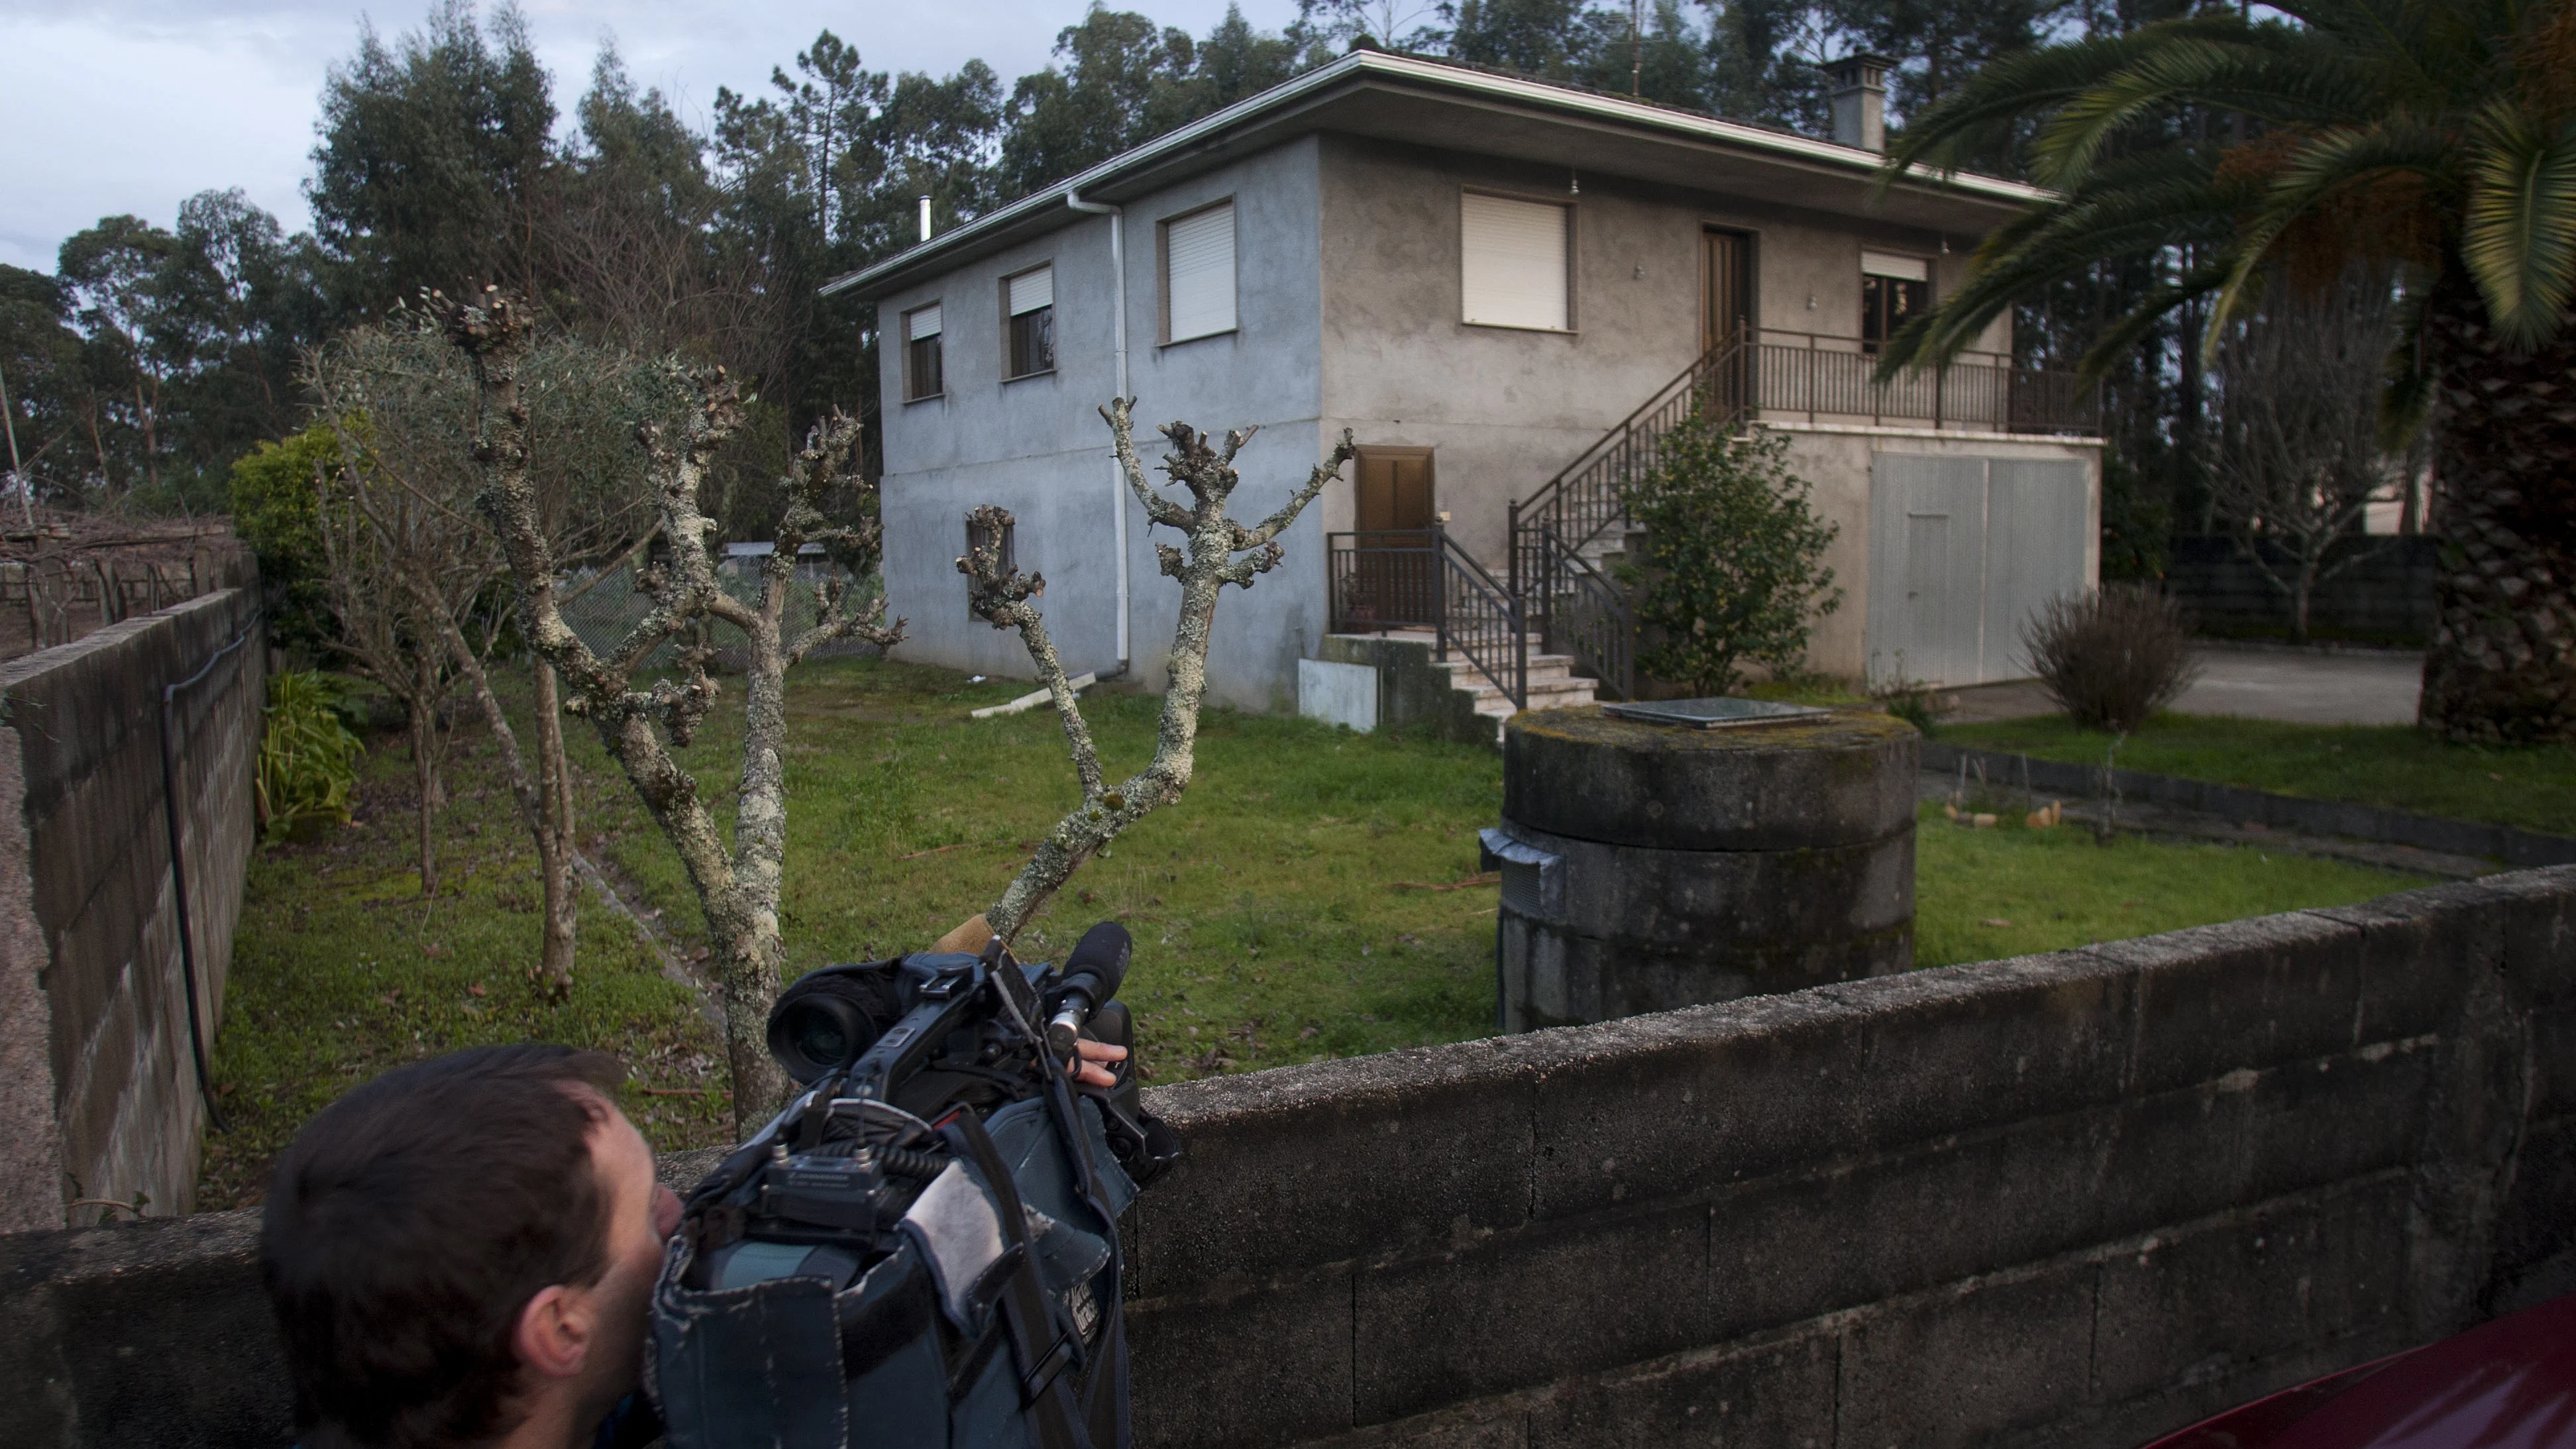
1715	713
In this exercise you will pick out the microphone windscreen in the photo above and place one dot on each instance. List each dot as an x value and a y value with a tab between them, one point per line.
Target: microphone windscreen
1102	955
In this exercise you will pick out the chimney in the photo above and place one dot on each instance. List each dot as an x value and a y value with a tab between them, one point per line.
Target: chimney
1860	100
925	201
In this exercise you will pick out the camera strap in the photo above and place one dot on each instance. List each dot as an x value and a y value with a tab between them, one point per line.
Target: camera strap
1042	1343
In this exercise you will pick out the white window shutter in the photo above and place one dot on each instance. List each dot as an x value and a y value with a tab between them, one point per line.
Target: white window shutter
1198	253
1032	290
923	322
1513	262
1904	269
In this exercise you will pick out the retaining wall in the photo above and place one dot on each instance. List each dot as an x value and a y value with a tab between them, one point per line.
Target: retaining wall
2386	596
98	1090
2071	1200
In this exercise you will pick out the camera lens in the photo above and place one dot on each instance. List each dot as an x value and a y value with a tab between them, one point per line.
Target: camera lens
813	1035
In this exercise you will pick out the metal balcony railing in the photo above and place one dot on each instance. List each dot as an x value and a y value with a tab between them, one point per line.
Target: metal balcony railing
1419	578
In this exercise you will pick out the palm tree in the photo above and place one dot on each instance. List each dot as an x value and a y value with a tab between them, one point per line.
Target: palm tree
2432	138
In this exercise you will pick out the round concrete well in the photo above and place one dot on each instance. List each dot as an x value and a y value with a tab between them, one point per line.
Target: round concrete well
1650	866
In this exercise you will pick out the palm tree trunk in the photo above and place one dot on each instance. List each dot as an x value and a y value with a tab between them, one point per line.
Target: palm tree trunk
2502	664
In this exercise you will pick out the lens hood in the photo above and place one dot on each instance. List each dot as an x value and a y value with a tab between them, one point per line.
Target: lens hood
831	1016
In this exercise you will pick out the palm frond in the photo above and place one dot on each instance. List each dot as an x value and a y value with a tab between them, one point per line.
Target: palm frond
2271	74
2519	235
2316	171
2126	332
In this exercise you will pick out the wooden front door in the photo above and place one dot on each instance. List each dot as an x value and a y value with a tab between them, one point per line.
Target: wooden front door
1726	313
1394	580
1394	489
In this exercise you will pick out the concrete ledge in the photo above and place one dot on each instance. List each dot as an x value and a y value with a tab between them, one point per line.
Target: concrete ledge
2075	1200
2285	812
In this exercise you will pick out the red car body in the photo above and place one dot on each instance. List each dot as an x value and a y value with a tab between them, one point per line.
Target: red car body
2507	1384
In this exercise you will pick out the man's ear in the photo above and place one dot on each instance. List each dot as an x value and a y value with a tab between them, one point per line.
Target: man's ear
555	1332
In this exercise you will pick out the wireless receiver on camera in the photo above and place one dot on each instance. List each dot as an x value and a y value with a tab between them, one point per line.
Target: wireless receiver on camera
1091	977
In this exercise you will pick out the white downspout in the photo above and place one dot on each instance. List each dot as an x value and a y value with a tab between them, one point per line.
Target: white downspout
1118	331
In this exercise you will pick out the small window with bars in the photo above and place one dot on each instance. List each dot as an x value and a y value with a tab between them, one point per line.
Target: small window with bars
1893	291
923	374
1198	274
1029	299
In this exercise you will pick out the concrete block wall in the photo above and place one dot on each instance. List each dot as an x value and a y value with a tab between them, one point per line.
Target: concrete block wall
98	1092
2071	1200
2386	595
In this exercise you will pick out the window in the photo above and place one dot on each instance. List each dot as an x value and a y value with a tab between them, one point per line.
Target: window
1512	262
922	376
1893	291
1198	274
1030	297
978	536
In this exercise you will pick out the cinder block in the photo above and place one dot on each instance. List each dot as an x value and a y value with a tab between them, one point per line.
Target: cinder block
2539	929
2419	950
1263	1367
1778	1396
2208	1302
2244	994
2536	1221
1528	1308
1962	1366
1286	1169
1968	1046
1683	1102
2553	1066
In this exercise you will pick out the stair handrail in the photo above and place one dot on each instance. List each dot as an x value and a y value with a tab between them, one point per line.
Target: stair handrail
1508	666
1734	348
1614	665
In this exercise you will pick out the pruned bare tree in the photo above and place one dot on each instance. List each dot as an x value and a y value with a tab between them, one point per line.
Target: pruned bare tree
402	401
1216	551
2293	460
738	888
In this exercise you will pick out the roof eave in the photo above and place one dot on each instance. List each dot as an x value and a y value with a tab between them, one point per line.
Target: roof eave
1041	211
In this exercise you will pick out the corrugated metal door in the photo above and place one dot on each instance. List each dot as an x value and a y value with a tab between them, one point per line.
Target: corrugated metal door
1963	551
1927	565
2036	514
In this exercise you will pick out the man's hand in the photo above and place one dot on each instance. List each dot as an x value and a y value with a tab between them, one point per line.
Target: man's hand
1087	1066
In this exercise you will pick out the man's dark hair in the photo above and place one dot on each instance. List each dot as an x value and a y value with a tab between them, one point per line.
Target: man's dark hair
412	1220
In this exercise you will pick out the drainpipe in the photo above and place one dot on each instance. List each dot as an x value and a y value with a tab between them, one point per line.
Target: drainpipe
1118	332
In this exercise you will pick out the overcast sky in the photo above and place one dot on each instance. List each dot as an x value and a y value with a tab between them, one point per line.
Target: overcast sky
131	105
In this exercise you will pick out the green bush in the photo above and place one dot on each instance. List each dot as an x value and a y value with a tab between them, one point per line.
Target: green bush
308	755
277	510
1734	557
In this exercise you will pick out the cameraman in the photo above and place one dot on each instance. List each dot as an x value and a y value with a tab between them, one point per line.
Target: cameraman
462	1253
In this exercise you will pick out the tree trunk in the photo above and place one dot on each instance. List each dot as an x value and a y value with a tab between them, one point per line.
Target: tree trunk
425	774
2300	597
554	831
2502	664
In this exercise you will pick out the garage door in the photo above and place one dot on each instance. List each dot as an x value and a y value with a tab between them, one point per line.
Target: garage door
1963	551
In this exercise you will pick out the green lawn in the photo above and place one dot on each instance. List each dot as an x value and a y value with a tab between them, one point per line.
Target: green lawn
2395	766
1314	895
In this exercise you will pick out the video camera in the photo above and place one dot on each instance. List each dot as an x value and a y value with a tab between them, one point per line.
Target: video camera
941	1192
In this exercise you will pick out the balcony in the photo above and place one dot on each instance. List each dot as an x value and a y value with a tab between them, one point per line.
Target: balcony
1807	377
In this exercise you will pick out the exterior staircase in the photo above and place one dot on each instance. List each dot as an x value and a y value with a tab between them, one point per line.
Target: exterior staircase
1553	684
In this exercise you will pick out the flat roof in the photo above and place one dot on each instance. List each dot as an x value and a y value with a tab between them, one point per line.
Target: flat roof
1423	102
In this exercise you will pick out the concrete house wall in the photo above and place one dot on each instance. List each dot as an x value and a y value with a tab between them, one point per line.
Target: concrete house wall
1038	447
1348	294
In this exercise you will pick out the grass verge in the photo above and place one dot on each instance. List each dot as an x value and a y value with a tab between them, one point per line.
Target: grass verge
2394	766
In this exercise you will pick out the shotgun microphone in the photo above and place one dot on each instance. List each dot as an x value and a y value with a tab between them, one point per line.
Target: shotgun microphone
1091	976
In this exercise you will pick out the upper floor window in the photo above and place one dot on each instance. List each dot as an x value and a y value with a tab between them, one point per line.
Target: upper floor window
922	371
1512	262
1030	300
1198	274
1893	291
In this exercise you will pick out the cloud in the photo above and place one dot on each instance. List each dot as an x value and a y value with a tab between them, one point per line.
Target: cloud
133	105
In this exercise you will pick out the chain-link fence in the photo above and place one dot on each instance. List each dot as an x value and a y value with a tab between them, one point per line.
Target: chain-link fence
608	608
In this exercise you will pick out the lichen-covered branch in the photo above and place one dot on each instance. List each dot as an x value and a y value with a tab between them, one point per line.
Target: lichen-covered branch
738	888
1204	565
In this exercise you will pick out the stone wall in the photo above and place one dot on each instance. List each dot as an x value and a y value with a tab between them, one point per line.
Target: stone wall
2071	1200
98	1089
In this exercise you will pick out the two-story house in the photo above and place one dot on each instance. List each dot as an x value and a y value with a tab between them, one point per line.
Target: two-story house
1505	290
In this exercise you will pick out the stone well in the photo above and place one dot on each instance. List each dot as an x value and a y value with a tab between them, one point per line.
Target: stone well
1652	866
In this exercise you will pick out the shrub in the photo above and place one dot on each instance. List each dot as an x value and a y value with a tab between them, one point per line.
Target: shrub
2111	657
308	757
277	510
1734	557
